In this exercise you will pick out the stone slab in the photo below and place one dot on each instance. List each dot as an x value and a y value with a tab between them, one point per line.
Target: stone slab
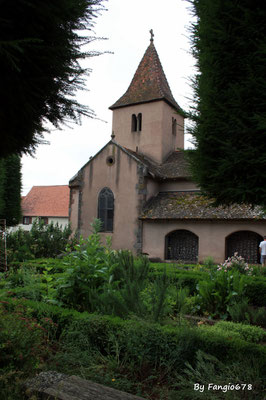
54	386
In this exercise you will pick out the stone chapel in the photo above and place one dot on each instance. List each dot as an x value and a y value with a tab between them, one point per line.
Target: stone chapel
138	184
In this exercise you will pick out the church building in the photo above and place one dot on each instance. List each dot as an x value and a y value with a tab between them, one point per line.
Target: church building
138	184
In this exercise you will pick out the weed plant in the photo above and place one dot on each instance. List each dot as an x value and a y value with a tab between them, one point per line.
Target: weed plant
221	291
208	369
25	347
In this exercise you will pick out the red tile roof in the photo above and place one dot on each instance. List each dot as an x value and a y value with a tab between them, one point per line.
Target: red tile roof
46	201
148	84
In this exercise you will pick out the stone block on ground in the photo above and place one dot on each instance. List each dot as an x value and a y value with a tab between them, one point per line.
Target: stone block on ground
55	386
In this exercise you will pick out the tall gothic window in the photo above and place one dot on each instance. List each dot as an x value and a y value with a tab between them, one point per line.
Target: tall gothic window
134	123
106	209
139	122
173	126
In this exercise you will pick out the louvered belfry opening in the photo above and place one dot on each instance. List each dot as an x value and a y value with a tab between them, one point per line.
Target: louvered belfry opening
246	244
106	209
182	245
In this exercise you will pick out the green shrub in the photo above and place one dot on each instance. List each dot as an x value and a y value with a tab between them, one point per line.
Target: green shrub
180	278
192	306
209	370
258	316
24	346
219	292
87	270
97	279
258	270
55	265
239	312
247	332
166	345
255	286
41	241
243	312
128	291
256	290
208	262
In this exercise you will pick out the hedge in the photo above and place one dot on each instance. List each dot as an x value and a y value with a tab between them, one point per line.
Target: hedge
256	290
142	342
255	285
40	264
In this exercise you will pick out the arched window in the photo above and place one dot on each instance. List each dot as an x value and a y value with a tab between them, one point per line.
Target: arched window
134	123
139	122
182	245
106	209
246	244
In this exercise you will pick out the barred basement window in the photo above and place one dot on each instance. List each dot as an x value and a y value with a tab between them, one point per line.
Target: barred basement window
106	209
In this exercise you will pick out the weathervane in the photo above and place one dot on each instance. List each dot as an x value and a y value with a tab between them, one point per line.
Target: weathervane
152	35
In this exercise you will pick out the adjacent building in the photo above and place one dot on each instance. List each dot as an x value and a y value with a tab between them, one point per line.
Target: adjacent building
47	203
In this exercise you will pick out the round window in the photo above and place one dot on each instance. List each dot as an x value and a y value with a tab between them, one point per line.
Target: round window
110	160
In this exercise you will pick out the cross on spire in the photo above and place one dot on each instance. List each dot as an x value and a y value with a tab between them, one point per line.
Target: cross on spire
152	35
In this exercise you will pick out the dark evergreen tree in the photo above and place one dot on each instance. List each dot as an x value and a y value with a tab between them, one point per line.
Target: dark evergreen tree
2	180
229	43
40	50
10	189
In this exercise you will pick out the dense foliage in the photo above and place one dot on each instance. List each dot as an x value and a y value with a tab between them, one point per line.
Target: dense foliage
10	189
41	241
153	330
40	50
132	355
229	130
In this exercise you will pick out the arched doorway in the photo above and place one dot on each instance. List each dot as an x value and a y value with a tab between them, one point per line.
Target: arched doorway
246	244
182	245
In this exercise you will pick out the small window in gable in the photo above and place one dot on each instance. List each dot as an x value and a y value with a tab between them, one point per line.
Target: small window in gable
139	122
134	123
106	209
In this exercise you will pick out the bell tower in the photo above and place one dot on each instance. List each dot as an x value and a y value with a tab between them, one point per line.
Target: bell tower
147	119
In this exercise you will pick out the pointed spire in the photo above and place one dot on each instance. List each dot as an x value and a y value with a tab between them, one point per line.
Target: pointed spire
149	82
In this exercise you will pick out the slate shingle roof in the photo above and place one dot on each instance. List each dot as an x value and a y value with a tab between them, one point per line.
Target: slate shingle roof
193	205
46	201
174	167
148	84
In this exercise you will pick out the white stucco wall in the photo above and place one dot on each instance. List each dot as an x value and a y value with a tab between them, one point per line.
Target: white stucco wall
62	221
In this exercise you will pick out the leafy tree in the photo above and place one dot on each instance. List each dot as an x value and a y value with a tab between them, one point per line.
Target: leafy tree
10	189
40	50
229	130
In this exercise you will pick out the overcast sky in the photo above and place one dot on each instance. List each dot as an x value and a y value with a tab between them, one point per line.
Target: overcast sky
126	24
